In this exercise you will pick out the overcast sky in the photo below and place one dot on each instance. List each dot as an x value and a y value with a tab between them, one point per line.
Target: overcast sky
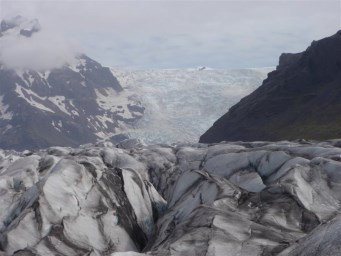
177	34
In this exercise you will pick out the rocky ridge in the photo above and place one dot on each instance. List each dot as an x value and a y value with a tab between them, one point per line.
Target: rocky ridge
299	100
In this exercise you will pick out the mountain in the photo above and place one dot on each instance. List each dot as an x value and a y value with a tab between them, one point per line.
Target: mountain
82	101
227	199
77	103
299	100
175	99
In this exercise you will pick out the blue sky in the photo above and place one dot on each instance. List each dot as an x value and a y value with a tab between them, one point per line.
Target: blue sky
178	34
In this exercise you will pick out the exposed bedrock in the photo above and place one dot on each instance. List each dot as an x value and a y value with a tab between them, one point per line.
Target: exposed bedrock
299	100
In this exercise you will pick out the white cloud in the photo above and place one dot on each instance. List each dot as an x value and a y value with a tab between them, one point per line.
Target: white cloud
185	33
42	51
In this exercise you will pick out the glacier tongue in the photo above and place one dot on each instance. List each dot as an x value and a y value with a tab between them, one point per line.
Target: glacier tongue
175	99
257	198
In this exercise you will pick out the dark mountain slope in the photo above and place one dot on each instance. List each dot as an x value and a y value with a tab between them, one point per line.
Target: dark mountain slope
77	103
301	99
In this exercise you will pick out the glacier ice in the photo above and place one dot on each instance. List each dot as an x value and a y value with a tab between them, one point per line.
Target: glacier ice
259	198
175	99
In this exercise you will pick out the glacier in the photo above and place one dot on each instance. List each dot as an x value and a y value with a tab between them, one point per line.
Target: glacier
241	198
175	99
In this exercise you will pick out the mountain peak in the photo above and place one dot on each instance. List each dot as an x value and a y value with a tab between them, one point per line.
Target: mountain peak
52	95
337	34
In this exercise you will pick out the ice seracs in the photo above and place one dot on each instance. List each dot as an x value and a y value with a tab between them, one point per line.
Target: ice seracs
186	199
174	99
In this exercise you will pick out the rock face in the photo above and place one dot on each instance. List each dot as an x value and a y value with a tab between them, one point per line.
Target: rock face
300	99
68	106
223	199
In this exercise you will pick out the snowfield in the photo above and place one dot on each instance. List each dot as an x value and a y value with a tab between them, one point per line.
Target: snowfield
246	199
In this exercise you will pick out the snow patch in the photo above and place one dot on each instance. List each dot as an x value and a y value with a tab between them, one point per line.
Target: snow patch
77	65
31	99
4	113
59	101
110	100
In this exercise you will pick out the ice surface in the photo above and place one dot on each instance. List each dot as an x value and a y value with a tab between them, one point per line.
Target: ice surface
175	99
244	199
139	199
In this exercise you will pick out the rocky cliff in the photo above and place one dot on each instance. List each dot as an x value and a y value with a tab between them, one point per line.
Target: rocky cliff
299	100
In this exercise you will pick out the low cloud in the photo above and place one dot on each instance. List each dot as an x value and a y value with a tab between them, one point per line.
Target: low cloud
44	50
184	33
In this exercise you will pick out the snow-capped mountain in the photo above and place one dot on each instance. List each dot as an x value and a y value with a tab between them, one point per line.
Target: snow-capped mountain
83	102
175	99
246	199
77	103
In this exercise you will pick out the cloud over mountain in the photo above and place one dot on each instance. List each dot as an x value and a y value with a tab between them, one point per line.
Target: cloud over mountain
180	34
24	45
